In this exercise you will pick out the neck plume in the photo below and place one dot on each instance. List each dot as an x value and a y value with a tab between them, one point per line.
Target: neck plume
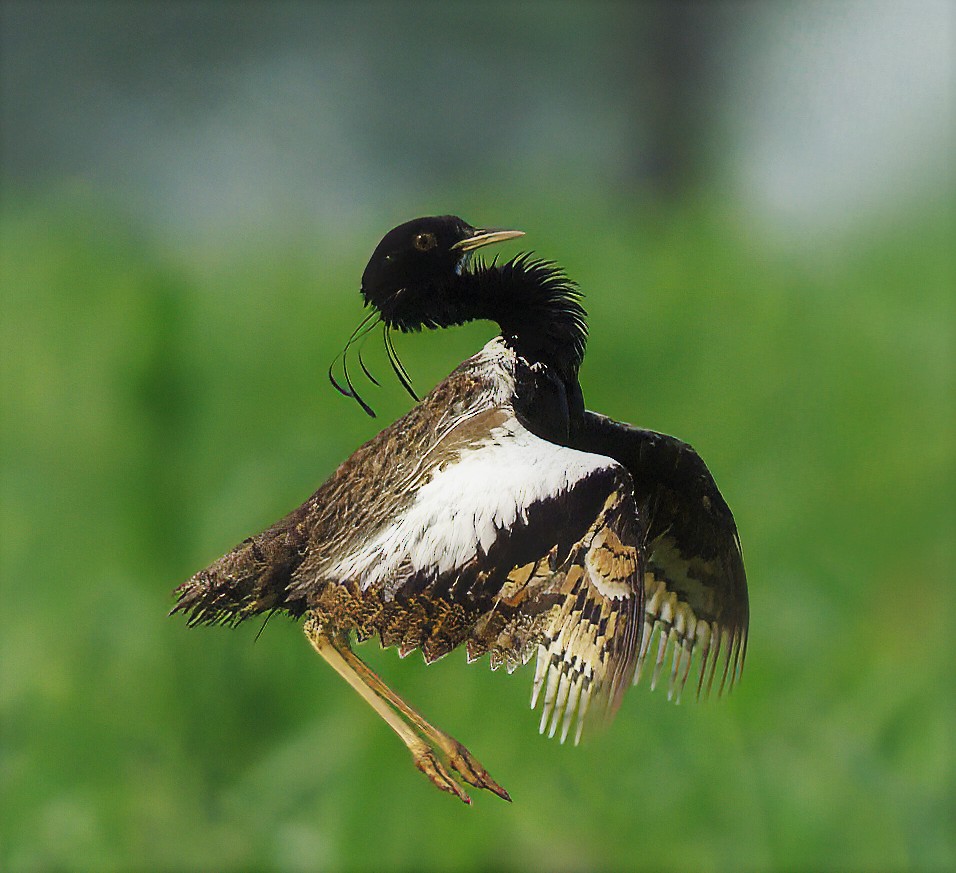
536	306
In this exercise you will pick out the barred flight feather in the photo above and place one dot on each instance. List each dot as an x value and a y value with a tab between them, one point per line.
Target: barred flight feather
673	625
589	647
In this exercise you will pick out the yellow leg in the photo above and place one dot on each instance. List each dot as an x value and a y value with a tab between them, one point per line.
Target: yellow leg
335	649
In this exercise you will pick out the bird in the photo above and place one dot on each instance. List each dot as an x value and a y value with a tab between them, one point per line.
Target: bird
498	515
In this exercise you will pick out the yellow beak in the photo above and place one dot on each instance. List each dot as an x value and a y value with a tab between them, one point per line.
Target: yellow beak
485	238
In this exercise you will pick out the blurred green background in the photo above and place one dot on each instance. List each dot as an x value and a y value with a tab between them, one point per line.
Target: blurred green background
756	201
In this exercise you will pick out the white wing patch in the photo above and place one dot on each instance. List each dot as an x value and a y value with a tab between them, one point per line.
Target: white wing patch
465	503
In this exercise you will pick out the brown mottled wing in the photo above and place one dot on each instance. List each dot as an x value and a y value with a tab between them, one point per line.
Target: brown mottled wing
694	579
512	546
589	647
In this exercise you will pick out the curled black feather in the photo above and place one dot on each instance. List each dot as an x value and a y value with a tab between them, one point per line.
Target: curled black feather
348	390
397	365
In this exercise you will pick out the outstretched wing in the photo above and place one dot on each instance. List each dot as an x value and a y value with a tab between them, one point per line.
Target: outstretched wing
694	579
510	545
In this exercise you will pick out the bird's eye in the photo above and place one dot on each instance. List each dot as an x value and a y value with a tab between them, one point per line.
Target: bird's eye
425	241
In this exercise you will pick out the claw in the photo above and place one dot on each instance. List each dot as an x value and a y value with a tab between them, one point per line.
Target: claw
461	762
426	761
470	768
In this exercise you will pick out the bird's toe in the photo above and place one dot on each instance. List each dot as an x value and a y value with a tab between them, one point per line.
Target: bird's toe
471	770
432	767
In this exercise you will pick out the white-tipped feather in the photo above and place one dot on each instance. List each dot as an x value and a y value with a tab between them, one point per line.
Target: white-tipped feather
664	640
705	635
540	669
687	656
571	705
554	674
714	658
583	704
645	643
655	629
564	685
675	662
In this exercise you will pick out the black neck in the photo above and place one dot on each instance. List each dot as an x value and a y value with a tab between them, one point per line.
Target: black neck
536	306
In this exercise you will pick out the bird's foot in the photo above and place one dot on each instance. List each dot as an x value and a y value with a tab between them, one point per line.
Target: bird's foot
459	760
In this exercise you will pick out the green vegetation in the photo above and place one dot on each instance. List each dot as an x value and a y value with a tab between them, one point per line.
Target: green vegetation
156	411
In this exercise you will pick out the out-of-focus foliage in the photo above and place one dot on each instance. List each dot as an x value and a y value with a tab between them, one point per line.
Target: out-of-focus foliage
156	412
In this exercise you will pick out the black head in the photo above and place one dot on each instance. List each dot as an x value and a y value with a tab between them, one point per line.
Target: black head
416	262
419	277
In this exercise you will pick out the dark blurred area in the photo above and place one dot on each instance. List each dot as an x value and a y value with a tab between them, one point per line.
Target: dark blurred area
261	115
88	86
756	199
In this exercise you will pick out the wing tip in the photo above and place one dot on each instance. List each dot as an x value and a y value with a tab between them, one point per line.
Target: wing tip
718	650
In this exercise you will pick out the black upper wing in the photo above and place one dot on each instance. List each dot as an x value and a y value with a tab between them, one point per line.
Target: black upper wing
694	579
